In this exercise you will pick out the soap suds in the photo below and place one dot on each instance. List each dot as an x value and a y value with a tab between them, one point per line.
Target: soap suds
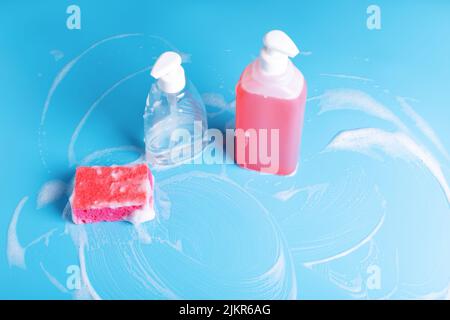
344	253
146	238
397	145
46	237
423	126
84	275
163	202
279	281
150	277
147	212
50	192
76	232
272	282
346	76
442	294
143	234
349	99
14	251
286	195
53	280
67	211
57	54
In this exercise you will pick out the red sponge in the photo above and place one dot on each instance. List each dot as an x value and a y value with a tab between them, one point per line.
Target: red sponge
113	193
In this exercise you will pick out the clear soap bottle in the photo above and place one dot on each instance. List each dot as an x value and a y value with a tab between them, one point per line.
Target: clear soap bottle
175	119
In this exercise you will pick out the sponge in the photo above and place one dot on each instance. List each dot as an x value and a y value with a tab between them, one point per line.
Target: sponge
112	194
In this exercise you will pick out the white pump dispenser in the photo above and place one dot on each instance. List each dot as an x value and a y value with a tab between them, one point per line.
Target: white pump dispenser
273	74
169	72
278	48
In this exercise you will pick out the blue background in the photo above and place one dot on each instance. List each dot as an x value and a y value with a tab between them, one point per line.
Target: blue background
367	224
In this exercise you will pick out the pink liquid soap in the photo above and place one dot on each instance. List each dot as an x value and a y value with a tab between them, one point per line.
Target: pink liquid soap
256	112
270	106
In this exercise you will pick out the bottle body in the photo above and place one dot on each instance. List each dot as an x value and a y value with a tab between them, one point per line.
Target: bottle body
269	120
174	126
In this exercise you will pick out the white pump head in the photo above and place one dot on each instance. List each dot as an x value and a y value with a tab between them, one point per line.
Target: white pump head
278	48
169	72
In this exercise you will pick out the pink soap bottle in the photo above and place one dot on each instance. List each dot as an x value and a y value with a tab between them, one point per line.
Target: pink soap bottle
270	105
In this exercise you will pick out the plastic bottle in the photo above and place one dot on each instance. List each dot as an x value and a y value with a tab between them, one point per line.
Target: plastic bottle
175	117
270	105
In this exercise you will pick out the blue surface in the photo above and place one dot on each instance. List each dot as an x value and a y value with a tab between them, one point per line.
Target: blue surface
363	217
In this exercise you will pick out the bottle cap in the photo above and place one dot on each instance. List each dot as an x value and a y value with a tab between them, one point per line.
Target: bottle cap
278	48
169	72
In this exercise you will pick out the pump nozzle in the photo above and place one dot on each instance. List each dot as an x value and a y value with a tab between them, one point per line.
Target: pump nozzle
278	48
169	72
